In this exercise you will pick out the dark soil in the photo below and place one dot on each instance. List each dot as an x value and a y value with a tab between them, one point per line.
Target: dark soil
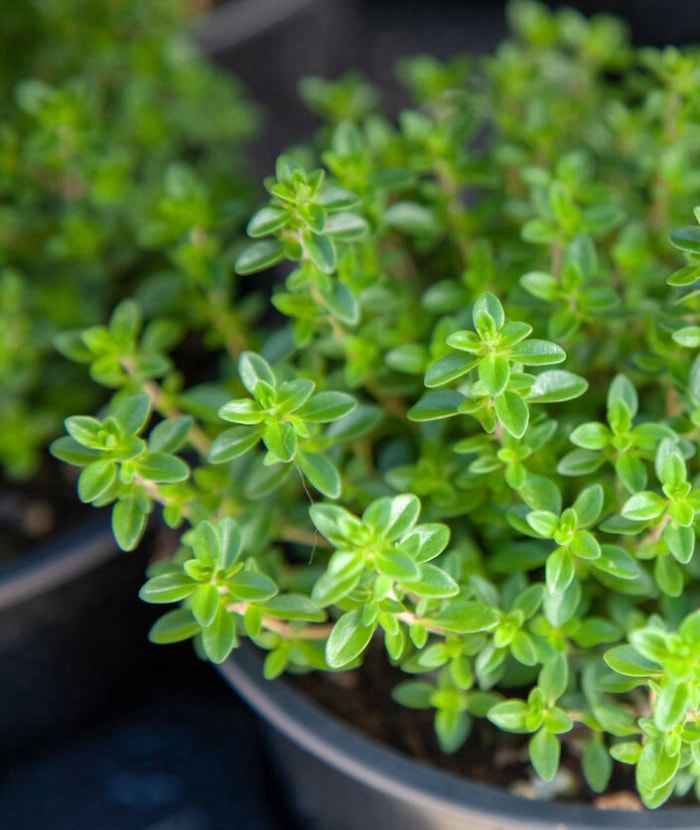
362	698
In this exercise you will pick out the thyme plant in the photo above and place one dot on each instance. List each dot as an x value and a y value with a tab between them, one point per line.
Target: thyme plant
99	102
470	430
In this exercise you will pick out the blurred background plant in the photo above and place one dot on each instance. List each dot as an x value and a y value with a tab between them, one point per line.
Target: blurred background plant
120	154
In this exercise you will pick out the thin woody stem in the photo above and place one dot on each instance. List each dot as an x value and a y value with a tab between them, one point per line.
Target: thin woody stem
313	631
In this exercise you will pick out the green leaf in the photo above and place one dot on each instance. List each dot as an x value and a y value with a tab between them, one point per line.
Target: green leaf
412	219
597	765
415	694
538	232
690	628
320	250
251	586
431	582
669	576
488	315
259	256
392	517
541	285
229	534
671	705
162	468
267	220
321	473
631	472
233	442
655	768
128	521
687	239
555	386
254	369
205	543
346	227
205	603
348	639
335	523
582	251
452	729
286	167
617	562
584	545
595	631
537	353
293	394
426	541
324	407
219	638
281	440
559	571
126	319
494	373
168	587
580	462
67	449
337	198
627	752
242	411
622	391
436	405
523	649
467	617
85	430
174	627
96	479
512	412
510	715
339	299
627	661
275	663
170	435
643	507
449	368
132	413
465	341
543	522
588	505
554	678
545	751
396	565
680	541
684	276
687	336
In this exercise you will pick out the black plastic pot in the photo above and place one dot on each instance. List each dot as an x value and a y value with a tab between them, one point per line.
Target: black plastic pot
73	636
334	778
270	45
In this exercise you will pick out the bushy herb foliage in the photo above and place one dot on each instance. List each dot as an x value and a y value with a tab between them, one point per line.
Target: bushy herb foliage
472	431
100	104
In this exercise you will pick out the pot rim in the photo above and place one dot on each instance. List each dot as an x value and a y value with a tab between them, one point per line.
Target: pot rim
379	767
234	24
57	561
